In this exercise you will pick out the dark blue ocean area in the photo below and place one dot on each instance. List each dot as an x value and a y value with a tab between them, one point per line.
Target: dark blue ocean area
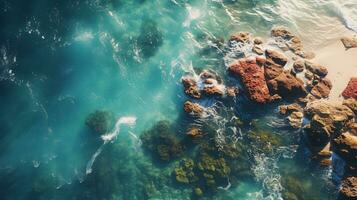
94	103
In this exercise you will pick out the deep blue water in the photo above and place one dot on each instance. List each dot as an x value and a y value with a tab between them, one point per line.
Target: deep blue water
62	60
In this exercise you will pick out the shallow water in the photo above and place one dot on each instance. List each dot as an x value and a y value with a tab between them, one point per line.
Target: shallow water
62	60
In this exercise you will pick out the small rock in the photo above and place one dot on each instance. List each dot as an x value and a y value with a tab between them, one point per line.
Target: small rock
299	66
309	75
349	42
193	109
351	89
351	103
286	109
190	87
322	88
295	119
316	69
232	91
194	132
276	57
241	37
258	50
258	41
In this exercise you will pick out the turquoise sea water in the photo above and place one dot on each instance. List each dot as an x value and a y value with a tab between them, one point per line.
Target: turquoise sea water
62	60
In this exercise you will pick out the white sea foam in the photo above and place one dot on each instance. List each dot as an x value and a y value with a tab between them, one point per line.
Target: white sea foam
111	136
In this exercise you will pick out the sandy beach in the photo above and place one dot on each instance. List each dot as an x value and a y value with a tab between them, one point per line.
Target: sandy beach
341	65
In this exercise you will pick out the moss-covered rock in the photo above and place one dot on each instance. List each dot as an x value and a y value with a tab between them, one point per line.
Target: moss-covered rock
100	121
162	142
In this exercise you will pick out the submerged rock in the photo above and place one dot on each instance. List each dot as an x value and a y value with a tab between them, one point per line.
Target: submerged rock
349	42
351	89
194	132
162	142
150	39
252	75
348	188
193	109
287	85
100	121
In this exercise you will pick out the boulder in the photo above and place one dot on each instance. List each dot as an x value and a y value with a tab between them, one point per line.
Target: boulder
316	68
281	32
322	88
190	87
348	188
276	57
194	132
299	66
258	41
326	121
258	50
351	103
232	91
287	109
287	85
351	89
271	71
295	119
252	76
345	145
193	109
349	42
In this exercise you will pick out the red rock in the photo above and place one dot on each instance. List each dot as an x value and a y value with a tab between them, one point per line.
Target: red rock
287	85
351	89
252	76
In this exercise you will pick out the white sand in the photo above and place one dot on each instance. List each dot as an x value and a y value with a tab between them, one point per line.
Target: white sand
341	65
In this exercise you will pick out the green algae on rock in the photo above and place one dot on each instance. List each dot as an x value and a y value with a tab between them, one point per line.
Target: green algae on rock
162	142
100	121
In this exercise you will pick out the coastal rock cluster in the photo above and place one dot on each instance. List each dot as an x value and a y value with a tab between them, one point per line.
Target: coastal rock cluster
268	75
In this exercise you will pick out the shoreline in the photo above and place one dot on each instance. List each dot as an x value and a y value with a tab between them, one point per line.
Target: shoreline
341	65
